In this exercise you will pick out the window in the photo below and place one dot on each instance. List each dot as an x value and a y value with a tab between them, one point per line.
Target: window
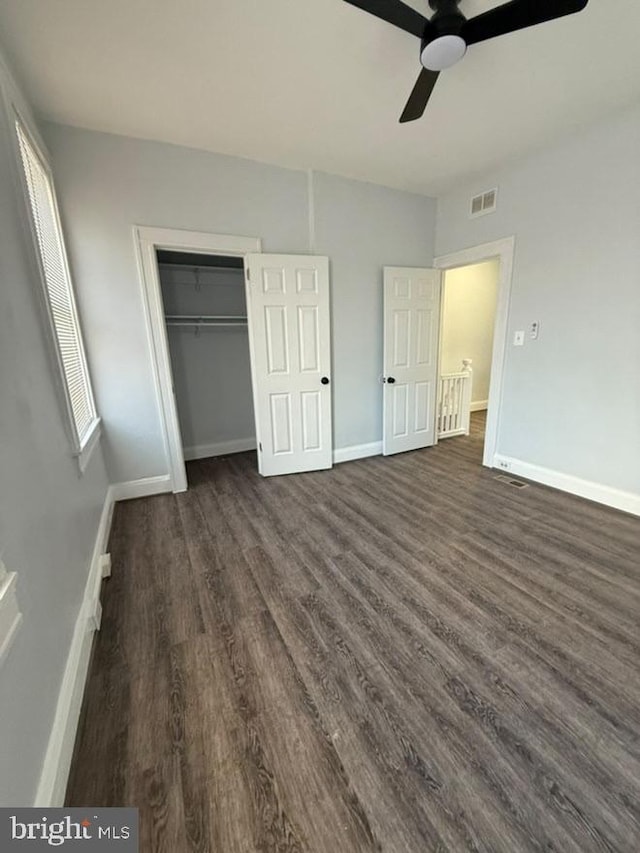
59	293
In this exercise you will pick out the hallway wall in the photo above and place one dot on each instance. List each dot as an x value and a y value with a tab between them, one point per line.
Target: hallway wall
468	315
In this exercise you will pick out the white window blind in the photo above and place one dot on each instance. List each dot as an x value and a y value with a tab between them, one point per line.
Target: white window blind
58	289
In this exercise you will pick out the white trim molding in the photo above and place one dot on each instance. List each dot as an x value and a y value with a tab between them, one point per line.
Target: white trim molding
503	250
356	451
615	498
10	615
148	241
479	406
219	448
57	761
91	441
144	488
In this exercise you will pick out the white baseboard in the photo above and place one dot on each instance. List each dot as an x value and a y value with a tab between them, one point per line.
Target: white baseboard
479	406
140	488
357	451
219	448
616	498
57	761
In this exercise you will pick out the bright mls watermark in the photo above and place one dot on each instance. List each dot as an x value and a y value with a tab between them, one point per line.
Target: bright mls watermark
69	829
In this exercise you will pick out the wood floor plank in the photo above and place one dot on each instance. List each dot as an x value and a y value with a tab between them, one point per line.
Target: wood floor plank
304	762
343	695
161	814
606	678
421	733
345	642
403	654
512	732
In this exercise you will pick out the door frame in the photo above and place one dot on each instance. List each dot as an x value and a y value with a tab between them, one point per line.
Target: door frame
147	241
504	251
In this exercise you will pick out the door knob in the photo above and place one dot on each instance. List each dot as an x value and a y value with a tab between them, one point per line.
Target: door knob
325	380
391	380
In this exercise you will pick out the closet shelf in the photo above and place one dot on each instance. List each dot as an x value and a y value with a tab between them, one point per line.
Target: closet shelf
204	320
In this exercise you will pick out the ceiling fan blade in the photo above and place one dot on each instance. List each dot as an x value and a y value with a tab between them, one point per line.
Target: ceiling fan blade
517	15
419	97
396	13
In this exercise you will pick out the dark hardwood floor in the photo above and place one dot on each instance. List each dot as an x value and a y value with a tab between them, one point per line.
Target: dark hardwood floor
402	654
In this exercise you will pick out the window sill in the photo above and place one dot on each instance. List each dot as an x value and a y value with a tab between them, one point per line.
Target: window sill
91	441
10	616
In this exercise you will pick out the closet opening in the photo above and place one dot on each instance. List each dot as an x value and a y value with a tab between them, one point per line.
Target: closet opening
205	312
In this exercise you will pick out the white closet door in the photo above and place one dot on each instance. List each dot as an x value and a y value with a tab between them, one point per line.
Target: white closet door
411	313
289	338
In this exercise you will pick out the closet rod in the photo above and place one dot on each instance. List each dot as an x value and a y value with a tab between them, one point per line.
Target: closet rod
205	320
205	323
202	268
210	324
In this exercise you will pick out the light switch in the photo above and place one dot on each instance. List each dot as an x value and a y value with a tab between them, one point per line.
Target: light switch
518	338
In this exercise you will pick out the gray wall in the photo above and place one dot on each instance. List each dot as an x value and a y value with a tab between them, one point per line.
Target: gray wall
48	513
572	398
363	227
109	183
210	364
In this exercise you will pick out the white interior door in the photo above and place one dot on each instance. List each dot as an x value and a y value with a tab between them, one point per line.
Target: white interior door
289	338
411	320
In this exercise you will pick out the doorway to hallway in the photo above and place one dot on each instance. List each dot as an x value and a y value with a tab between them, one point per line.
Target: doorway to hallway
469	301
503	252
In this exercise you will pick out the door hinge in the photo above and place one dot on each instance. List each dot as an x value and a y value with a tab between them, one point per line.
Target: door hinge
260	446
248	274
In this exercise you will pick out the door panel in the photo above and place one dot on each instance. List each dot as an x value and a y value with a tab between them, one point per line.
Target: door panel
411	311
308	338
402	338
311	420
400	398
281	426
289	337
277	346
422	413
424	337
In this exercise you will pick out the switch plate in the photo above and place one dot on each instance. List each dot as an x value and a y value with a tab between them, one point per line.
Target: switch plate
534	330
518	338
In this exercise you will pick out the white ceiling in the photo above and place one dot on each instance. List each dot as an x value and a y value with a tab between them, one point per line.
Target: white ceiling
318	83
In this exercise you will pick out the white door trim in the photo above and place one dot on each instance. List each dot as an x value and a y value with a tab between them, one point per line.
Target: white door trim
148	240
503	250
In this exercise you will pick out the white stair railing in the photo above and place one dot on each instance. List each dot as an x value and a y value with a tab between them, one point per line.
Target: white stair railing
454	401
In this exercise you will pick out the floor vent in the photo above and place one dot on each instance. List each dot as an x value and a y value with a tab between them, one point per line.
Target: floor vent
518	484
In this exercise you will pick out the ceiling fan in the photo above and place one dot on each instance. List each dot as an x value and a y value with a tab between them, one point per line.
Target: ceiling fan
444	38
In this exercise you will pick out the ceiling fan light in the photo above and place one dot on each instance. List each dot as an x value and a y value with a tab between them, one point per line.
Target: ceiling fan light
443	52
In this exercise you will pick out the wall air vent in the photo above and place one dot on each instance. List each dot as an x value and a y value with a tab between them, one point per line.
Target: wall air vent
484	203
